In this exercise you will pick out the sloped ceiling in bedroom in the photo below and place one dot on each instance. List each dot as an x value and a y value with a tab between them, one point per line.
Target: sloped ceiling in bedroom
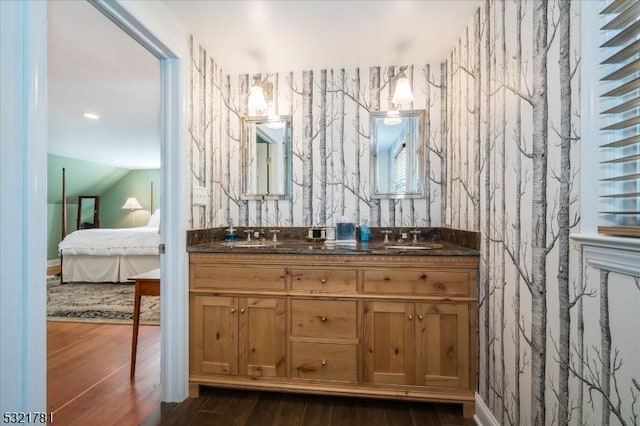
94	66
82	178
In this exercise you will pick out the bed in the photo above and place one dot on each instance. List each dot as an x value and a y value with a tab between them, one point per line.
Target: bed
109	255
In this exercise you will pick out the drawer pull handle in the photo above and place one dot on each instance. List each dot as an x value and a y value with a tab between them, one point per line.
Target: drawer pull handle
323	281
323	362
323	318
420	317
242	311
233	310
410	317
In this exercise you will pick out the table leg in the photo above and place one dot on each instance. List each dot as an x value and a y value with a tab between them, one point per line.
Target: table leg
134	338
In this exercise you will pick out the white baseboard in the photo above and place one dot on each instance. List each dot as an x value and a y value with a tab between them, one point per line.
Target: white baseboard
54	262
484	416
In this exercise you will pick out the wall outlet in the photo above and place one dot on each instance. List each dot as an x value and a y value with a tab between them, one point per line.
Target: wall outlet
200	196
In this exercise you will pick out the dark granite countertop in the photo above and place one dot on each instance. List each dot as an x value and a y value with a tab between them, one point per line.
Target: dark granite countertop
433	242
441	248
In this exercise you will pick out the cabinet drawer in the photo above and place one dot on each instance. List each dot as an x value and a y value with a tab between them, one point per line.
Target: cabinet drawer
323	280
237	277
417	281
324	361
323	318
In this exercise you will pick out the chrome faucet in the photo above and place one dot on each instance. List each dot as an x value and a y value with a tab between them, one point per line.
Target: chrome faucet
275	234
386	233
248	232
415	235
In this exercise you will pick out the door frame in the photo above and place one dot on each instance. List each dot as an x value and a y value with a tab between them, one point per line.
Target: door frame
23	217
173	298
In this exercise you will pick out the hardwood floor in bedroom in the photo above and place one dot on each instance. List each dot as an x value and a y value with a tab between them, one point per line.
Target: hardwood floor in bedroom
88	373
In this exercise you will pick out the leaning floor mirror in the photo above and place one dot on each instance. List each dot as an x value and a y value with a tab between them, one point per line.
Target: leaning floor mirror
266	158
397	154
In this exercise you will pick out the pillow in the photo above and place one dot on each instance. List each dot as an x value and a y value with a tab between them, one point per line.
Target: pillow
154	220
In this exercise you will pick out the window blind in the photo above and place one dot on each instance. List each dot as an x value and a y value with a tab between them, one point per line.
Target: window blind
620	118
400	170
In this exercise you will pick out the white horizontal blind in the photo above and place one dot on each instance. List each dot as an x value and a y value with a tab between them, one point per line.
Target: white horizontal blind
620	118
400	170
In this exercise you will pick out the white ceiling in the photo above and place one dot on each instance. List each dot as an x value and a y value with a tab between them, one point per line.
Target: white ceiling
94	66
268	36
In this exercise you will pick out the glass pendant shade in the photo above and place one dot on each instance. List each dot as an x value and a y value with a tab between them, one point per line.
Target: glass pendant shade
257	100
274	122
402	93
392	118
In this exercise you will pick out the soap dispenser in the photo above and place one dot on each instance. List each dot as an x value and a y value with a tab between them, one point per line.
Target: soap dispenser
365	231
231	233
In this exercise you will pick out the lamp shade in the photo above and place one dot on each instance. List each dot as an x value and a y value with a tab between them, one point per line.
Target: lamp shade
257	101
131	204
402	93
392	118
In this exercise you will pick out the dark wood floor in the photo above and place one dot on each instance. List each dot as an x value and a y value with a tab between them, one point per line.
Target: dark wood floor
241	407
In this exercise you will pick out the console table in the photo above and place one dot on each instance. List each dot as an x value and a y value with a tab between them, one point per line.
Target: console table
147	284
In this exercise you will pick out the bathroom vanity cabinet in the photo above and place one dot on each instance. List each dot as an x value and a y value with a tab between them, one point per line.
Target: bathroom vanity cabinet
385	326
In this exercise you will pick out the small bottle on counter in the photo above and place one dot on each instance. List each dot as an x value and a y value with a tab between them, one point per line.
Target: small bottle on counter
365	231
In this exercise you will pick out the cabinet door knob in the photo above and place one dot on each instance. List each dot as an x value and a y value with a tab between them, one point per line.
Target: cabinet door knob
323	318
410	317
233	310
242	311
420	317
323	362
323	281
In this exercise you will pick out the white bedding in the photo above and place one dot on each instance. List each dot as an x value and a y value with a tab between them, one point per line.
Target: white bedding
143	240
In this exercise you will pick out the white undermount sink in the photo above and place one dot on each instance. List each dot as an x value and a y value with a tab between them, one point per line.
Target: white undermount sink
407	247
247	244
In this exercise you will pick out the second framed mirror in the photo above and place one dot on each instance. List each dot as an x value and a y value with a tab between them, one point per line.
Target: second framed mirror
397	154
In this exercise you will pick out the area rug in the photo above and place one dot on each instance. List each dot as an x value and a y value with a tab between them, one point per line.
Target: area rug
98	302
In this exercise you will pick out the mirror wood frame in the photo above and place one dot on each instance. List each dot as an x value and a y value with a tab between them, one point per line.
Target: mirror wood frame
96	212
419	149
245	160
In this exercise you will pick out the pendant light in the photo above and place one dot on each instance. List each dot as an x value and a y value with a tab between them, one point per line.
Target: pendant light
402	93
257	100
393	118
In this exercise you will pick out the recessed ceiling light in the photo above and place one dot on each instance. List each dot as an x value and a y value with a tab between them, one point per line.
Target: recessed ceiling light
91	115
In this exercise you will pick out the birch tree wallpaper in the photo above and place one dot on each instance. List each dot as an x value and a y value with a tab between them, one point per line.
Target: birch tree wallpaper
558	340
550	352
329	110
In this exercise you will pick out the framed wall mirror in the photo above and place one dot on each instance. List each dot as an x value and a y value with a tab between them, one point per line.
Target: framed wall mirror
88	212
266	158
397	142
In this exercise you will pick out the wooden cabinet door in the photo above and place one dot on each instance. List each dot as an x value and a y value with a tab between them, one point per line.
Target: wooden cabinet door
214	335
262	344
388	342
442	344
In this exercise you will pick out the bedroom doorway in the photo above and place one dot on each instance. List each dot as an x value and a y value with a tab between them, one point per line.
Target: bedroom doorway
172	353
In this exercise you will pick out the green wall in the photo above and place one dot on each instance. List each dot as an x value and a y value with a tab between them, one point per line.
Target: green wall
137	183
112	184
